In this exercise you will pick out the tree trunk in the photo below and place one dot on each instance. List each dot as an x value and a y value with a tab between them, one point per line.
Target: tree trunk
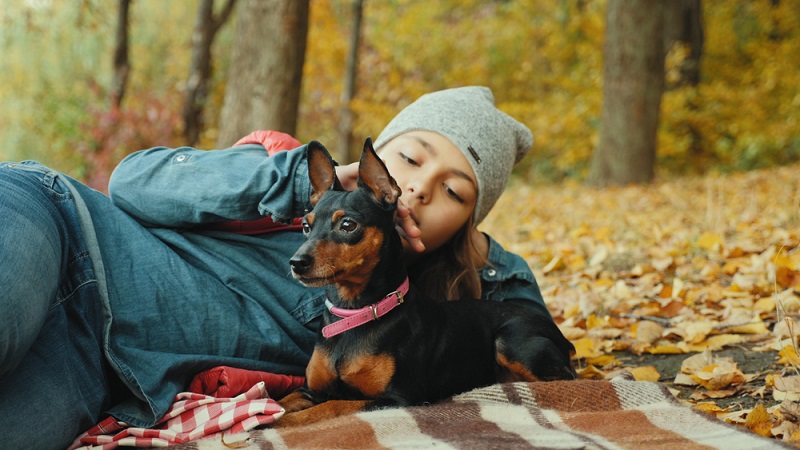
266	69
121	63
205	29
683	22
346	145
632	86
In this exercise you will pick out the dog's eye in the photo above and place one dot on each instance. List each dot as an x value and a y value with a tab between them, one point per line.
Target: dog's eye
348	225
306	227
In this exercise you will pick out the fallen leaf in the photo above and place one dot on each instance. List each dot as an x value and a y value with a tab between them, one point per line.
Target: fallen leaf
645	373
705	395
788	355
786	388
709	241
665	349
786	277
709	408
713	373
712	343
572	333
591	372
759	421
648	331
790	410
785	430
585	348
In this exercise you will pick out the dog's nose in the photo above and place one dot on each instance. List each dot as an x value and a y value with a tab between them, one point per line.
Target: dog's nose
301	263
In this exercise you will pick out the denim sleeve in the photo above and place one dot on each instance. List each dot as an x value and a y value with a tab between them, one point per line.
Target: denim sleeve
509	278
185	187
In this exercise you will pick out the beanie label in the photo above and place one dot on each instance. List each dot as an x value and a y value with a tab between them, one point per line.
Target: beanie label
474	154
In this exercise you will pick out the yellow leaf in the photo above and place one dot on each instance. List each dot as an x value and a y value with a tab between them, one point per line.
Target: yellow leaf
709	408
591	372
572	333
750	328
709	240
602	360
555	264
788	356
666	349
646	373
766	304
585	348
593	322
759	421
714	342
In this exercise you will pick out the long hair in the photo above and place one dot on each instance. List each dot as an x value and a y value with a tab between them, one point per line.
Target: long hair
449	273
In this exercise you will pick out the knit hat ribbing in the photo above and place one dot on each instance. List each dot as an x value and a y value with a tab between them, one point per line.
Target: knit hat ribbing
491	140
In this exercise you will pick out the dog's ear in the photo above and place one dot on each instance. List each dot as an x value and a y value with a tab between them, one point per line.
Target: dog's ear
321	171
373	175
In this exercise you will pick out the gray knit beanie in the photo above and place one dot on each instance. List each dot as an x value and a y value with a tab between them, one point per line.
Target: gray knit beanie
492	141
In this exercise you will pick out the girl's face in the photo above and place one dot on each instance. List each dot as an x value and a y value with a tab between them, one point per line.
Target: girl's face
439	185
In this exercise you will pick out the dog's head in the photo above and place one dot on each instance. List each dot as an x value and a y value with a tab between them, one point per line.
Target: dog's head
347	231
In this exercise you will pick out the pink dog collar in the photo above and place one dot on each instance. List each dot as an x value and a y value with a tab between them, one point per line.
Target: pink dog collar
352	318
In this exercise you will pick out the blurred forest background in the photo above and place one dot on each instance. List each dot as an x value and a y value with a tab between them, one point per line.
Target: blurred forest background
731	88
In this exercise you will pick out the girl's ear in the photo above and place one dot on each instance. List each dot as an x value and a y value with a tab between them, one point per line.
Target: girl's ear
321	171
373	175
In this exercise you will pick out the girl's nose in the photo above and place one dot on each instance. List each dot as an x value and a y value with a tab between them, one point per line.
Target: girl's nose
417	189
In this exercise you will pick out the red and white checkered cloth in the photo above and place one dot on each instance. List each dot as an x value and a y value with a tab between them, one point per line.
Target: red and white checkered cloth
192	416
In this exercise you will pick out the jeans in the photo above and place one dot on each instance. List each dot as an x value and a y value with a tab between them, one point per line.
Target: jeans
54	382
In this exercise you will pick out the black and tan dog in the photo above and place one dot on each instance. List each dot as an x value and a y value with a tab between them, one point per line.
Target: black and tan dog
383	343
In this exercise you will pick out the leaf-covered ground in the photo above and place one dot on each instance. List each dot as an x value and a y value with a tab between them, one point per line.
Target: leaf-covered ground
694	282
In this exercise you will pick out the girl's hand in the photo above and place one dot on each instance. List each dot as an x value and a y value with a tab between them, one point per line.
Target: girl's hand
407	228
348	175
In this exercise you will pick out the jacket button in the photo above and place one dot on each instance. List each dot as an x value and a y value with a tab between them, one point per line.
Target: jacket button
491	272
180	158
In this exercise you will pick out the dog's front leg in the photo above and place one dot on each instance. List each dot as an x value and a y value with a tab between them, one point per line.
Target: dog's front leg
298	400
320	376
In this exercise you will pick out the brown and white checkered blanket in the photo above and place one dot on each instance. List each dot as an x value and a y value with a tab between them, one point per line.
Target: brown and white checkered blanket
583	414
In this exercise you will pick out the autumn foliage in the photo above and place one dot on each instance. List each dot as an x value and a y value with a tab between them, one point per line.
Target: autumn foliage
542	58
690	267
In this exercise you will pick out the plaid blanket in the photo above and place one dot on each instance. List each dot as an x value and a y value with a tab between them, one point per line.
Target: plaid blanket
557	415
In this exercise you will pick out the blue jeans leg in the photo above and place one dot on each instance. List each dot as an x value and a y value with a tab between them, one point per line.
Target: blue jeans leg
54	382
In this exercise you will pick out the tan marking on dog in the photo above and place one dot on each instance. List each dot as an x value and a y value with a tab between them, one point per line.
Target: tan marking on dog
370	374
513	370
320	372
310	218
338	214
296	401
322	411
352	264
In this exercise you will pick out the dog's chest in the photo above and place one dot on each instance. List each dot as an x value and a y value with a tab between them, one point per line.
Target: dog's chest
365	371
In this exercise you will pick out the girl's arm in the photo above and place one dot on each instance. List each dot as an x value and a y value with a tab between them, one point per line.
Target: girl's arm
186	187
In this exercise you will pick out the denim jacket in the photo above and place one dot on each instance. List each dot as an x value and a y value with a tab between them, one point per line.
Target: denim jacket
181	297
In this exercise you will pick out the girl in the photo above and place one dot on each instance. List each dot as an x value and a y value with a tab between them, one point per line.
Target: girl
111	304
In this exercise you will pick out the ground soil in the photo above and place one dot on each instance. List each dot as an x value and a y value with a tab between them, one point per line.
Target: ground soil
748	361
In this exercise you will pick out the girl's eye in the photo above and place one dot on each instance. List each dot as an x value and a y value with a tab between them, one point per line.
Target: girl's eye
348	225
407	159
453	194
